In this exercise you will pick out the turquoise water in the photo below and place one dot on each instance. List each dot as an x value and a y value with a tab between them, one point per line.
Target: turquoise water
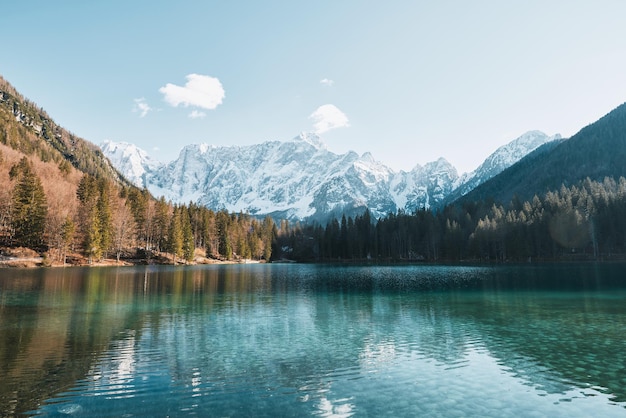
306	340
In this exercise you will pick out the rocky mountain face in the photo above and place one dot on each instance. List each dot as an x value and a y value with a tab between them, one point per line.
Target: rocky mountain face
502	158
302	179
130	160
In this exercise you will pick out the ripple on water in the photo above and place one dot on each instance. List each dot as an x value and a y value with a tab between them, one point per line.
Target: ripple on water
360	342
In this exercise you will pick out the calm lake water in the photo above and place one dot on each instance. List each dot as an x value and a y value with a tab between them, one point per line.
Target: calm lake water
307	340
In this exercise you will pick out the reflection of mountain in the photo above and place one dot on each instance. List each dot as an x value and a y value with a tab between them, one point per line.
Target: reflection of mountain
318	334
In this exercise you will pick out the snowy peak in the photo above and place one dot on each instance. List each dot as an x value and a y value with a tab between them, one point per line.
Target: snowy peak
302	179
509	154
424	187
130	160
311	139
503	158
440	165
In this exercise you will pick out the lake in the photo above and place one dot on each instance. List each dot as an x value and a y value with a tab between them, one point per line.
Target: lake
314	340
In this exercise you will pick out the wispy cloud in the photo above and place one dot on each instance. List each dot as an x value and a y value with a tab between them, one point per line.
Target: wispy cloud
196	114
327	117
327	82
141	107
201	91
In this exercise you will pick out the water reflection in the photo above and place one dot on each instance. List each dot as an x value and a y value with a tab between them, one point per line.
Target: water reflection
253	340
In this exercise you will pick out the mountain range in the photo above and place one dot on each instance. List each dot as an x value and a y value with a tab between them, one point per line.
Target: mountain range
295	179
537	196
302	179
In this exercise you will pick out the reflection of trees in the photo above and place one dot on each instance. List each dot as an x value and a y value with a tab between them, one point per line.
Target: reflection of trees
577	338
52	325
55	323
221	326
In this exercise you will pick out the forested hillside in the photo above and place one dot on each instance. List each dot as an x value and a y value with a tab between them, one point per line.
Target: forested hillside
28	129
566	199
61	197
595	152
584	221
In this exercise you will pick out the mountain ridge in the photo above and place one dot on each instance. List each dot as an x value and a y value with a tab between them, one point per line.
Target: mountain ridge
596	151
36	133
301	179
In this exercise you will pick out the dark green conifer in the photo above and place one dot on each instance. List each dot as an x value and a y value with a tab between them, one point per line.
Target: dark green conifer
29	206
188	247
175	235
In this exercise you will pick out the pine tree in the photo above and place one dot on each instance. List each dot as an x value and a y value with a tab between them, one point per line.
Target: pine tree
224	244
138	201
67	236
175	235
160	224
95	216
269	234
29	207
92	236
188	246
105	216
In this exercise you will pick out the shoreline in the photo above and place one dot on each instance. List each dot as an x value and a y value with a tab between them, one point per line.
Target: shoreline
19	263
40	262
20	257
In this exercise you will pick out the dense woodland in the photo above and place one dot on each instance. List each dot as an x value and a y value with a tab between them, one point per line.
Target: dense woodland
105	220
61	197
585	221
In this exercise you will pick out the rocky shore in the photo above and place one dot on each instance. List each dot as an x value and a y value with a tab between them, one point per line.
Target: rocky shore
20	257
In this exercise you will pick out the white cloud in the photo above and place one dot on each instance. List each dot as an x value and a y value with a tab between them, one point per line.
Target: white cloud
327	82
328	117
195	114
201	91
141	107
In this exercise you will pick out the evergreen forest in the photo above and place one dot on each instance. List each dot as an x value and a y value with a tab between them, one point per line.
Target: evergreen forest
584	221
105	220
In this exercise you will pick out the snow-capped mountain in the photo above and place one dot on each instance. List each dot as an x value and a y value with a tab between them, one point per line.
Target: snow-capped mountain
501	159
301	178
130	160
423	187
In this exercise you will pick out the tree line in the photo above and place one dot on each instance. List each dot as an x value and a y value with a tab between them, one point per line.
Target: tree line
106	220
110	220
585	220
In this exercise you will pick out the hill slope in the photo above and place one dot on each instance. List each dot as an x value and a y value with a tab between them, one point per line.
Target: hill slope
56	160
501	159
26	128
596	151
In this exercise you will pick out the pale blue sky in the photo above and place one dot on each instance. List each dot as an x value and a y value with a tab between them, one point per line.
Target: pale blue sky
409	81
